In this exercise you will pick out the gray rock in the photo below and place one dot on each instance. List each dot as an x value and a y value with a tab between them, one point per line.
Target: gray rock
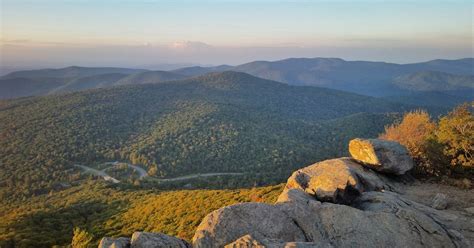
470	210
381	155
261	221
158	240
336	180
377	219
121	242
248	241
435	225
440	201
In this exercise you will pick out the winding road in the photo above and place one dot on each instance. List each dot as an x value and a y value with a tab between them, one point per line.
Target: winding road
198	175
95	172
142	174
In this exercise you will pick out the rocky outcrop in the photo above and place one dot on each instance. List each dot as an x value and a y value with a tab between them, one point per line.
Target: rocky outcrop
121	242
381	155
261	221
375	219
144	240
340	202
248	241
156	240
337	180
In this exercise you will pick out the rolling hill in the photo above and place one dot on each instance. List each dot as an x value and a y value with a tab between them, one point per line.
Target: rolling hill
51	81
70	72
435	81
431	83
199	70
220	122
368	78
451	77
89	82
19	87
149	77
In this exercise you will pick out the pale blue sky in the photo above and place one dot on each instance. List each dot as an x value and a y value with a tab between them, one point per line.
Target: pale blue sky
232	31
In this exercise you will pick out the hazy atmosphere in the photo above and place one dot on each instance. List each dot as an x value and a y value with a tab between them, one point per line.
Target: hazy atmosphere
156	34
236	124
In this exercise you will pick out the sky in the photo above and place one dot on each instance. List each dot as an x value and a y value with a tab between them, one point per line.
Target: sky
160	33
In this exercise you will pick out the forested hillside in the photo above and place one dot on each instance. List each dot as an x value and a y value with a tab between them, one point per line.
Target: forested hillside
223	122
99	210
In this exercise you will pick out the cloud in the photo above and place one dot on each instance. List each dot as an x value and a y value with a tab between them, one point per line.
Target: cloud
15	41
190	45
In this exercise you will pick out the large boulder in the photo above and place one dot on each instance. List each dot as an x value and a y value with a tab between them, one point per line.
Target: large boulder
261	221
248	241
156	240
336	180
120	242
376	219
381	155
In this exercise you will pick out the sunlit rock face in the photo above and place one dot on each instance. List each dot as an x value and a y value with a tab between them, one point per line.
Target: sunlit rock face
336	180
151	240
121	242
381	155
261	221
249	241
375	219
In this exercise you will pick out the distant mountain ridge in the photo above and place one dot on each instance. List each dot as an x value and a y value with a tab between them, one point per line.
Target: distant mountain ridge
149	77
368	78
70	72
450	77
434	81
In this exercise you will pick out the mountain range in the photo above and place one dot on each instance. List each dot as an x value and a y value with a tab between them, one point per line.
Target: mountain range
247	130
442	79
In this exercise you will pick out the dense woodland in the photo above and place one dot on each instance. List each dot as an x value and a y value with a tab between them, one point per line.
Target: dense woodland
223	122
99	210
227	122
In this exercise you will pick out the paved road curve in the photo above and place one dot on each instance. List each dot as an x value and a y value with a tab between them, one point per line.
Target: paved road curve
199	175
102	174
142	174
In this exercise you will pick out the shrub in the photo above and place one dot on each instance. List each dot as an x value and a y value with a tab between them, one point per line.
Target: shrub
456	133
416	133
437	149
81	239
